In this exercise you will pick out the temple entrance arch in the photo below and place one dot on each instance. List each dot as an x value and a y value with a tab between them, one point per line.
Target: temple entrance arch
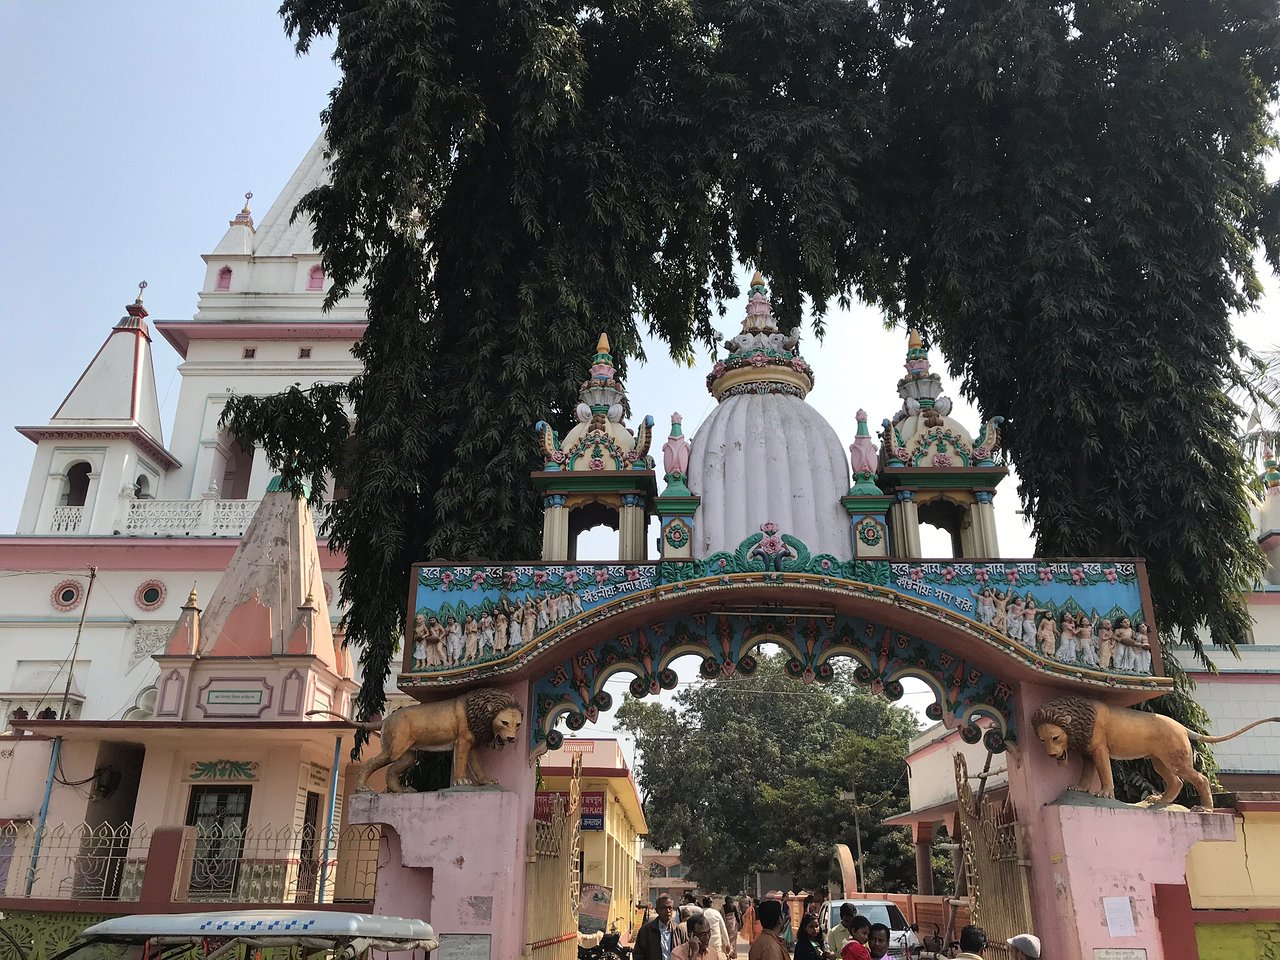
768	533
726	640
566	628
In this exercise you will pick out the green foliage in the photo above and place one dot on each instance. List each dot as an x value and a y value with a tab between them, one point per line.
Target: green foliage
1082	192
745	774
1066	196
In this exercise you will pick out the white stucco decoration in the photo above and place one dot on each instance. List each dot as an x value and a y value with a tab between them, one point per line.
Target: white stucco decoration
769	456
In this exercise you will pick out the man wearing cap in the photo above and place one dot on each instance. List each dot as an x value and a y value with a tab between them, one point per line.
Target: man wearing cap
1027	944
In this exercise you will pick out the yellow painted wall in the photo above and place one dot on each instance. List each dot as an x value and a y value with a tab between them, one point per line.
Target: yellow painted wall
610	856
1240	875
1238	941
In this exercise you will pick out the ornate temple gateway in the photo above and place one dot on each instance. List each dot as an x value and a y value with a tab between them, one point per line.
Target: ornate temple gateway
770	532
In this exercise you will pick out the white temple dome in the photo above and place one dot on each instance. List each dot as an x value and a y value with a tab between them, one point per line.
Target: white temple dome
764	455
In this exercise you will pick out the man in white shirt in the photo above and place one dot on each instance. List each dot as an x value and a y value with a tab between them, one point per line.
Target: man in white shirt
719	931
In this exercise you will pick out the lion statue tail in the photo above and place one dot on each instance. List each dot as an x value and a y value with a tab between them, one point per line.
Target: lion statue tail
373	726
1201	738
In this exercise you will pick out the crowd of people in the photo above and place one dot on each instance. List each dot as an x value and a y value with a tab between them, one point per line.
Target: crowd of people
700	930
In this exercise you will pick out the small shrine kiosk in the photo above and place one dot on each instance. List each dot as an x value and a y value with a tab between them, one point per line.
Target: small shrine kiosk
770	532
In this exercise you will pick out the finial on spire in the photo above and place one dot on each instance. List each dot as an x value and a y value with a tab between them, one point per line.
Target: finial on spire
244	217
602	364
134	312
917	356
193	602
675	459
762	358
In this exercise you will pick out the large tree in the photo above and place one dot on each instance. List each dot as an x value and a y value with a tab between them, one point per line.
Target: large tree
1066	196
747	773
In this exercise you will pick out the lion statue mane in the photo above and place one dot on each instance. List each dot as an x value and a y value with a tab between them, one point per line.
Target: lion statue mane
486	717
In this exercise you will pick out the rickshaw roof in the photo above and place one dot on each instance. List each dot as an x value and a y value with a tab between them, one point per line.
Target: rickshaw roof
264	925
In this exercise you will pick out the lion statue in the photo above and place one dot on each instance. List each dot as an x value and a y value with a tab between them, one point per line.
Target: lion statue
1100	733
483	717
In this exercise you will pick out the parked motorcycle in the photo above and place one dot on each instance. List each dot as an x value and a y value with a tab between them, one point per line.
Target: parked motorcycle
608	949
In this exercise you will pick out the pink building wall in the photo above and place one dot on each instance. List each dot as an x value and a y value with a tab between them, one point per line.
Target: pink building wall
24	766
460	862
1081	854
1121	852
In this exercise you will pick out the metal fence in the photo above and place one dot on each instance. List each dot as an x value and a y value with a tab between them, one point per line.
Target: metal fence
81	862
284	865
215	865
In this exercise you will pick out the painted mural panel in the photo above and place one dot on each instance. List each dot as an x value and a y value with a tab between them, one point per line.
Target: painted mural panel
1085	614
465	616
1082	613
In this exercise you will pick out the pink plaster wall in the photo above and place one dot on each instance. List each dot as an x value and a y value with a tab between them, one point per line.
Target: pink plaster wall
465	847
1034	782
1120	852
24	765
1080	854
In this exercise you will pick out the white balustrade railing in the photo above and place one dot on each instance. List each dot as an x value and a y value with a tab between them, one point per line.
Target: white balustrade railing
66	520
208	517
165	516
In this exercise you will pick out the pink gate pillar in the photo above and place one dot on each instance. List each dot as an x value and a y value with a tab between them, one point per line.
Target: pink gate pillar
456	857
1083	851
1116	855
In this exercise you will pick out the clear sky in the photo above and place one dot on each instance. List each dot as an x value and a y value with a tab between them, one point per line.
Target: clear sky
132	131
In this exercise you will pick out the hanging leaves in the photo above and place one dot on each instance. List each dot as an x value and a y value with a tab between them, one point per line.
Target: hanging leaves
1067	196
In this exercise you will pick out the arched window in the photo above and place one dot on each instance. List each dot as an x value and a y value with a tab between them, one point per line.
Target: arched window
231	468
315	278
77	490
593	532
224	279
142	487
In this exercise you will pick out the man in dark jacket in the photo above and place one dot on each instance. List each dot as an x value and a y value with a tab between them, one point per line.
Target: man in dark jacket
657	937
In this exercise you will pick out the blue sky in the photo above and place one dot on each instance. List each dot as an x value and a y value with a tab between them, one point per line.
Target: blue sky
132	131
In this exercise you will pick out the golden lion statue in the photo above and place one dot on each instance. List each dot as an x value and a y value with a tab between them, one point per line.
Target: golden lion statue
1100	733
485	717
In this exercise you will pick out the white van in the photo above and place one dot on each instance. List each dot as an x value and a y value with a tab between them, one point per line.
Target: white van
902	935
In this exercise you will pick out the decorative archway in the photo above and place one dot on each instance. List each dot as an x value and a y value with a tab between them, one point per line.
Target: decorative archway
726	641
567	628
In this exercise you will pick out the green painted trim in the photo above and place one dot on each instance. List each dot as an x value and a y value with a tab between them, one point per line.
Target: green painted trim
593	481
667	506
857	504
941	478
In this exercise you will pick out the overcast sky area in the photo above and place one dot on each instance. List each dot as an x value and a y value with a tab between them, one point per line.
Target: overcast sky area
134	129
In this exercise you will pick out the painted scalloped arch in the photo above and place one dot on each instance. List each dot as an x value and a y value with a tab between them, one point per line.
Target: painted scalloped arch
727	645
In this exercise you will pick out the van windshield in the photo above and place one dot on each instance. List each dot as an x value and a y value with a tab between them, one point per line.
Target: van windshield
886	913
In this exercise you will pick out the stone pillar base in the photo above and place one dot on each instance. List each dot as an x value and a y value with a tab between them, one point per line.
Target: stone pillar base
454	858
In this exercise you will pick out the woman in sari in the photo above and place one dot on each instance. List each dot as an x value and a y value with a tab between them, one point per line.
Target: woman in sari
731	922
750	926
